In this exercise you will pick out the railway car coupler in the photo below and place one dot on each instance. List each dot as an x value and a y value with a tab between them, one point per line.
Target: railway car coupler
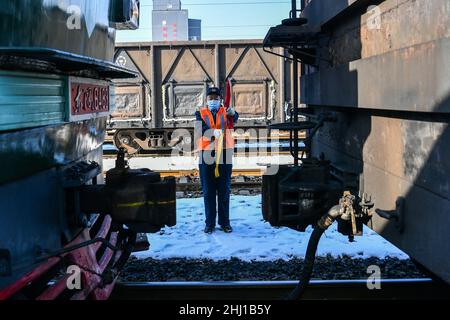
136	198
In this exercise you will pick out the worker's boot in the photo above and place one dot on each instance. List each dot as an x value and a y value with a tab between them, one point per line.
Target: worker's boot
209	230
226	229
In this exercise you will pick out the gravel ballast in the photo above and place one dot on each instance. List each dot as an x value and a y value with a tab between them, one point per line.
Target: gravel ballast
326	268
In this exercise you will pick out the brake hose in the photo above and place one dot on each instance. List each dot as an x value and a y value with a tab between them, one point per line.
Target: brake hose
310	256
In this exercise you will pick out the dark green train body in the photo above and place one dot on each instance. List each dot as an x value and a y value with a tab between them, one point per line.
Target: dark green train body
56	92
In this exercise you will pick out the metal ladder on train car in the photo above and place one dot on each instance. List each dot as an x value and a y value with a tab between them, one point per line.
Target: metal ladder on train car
311	124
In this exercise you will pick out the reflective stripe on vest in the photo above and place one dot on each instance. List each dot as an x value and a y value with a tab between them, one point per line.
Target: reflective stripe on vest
204	143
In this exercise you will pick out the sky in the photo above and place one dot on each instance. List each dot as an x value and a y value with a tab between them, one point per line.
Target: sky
221	19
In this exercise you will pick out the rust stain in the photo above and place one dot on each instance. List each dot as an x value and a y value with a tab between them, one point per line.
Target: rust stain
404	24
384	147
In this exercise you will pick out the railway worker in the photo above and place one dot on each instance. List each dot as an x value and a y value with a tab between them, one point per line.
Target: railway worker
215	144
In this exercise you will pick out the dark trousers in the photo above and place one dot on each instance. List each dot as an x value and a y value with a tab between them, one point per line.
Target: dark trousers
219	187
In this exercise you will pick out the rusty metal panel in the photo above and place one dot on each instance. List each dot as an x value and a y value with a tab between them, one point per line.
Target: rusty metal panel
416	78
132	99
178	74
132	60
389	84
250	99
256	80
389	26
198	64
128	103
187	71
183	99
400	24
399	158
141	58
414	151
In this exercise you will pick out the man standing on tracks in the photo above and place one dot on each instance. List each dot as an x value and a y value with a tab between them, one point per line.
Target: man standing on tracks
216	147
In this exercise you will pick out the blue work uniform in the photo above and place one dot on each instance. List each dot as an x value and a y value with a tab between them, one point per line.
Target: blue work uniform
213	187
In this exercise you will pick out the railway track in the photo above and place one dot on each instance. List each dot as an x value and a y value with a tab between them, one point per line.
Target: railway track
403	289
193	189
112	153
246	172
194	186
195	173
250	147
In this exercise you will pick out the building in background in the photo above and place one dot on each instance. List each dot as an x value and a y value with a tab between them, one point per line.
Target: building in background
171	23
163	5
195	29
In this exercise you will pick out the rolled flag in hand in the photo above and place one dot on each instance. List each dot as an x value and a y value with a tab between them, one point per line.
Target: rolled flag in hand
227	103
230	111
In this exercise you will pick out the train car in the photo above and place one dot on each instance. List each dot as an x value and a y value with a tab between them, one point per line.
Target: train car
381	70
172	83
65	232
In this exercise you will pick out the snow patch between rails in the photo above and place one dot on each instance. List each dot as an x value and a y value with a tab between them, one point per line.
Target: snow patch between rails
252	238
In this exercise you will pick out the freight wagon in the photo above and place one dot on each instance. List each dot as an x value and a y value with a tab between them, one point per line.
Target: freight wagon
382	70
172	82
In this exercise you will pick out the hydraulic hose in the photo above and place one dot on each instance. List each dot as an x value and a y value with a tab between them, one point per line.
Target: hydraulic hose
310	256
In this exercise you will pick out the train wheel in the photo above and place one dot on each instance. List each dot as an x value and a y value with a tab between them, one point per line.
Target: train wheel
182	141
99	253
124	139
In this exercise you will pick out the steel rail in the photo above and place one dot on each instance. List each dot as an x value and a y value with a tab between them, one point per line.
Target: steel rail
195	173
168	153
391	289
248	186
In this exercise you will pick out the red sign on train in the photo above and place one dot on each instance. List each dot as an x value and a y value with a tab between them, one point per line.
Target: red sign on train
88	98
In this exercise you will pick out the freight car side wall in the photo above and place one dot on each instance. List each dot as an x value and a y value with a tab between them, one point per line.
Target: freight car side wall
389	82
174	78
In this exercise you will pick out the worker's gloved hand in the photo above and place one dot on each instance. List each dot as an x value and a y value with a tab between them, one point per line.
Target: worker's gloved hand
217	133
231	112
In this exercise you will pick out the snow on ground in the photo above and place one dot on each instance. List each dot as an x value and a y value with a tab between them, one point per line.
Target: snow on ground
252	238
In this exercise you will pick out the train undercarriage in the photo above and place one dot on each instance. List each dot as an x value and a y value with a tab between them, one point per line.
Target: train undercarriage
135	141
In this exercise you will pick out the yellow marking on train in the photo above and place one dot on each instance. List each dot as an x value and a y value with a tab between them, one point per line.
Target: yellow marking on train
144	203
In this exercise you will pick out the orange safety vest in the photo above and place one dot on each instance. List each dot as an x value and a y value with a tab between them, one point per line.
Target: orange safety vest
204	143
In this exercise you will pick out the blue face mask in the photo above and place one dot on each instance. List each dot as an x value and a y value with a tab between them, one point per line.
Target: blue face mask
213	105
